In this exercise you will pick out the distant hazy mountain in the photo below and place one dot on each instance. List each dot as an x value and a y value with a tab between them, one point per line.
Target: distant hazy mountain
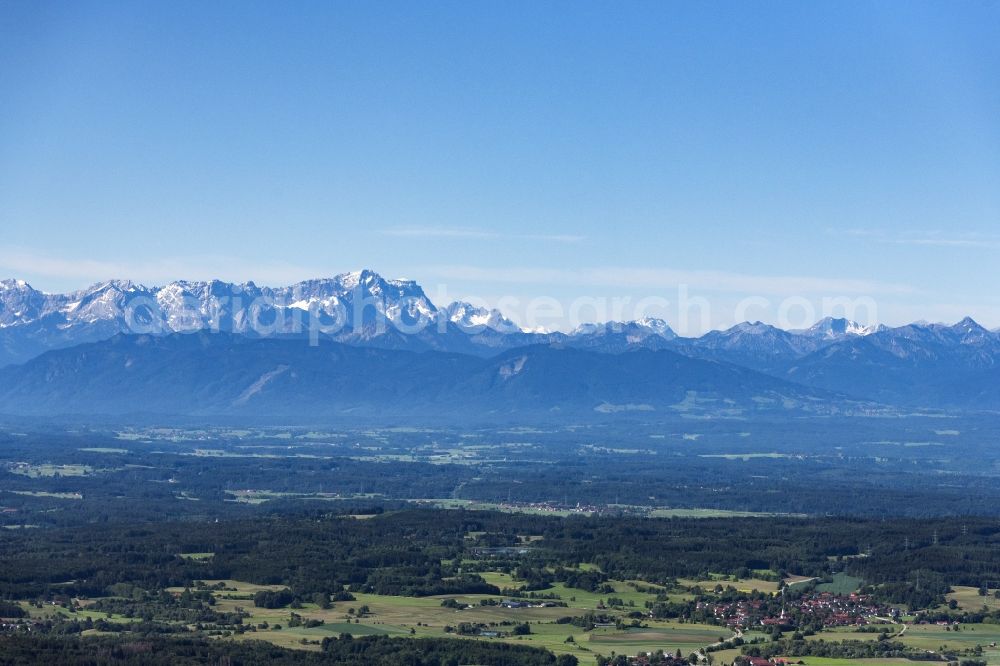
918	364
215	375
753	345
648	333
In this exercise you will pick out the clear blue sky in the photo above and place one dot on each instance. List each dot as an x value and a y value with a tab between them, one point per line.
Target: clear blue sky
560	149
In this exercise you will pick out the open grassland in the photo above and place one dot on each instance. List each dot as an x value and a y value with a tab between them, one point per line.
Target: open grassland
40	471
744	585
831	661
584	600
658	636
546	510
501	580
234	589
705	513
472	505
968	598
797	580
848	634
50	611
42	493
934	637
747	456
840	584
196	556
254	496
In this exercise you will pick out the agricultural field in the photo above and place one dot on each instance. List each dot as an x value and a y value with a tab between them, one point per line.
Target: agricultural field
841	583
934	637
427	617
742	585
831	661
539	509
48	470
44	493
968	598
706	513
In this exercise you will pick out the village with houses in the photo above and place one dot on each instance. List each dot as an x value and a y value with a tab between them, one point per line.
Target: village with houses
816	609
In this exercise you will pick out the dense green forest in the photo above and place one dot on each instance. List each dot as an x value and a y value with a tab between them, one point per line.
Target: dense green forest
421	552
345	651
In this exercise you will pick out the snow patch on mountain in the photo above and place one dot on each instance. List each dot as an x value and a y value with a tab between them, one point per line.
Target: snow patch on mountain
514	367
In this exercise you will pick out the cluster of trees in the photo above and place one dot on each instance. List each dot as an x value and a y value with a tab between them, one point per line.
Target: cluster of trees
588	620
386	651
285	597
9	609
537	576
190	607
273	598
63	626
658	658
296	620
836	649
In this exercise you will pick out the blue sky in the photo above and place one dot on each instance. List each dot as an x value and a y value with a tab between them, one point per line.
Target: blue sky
767	150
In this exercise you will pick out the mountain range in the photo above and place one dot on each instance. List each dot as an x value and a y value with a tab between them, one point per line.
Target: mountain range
224	374
71	353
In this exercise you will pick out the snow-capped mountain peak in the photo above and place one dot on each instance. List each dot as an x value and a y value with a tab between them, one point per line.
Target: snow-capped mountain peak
471	318
11	285
362	278
968	325
658	326
634	328
835	328
19	303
